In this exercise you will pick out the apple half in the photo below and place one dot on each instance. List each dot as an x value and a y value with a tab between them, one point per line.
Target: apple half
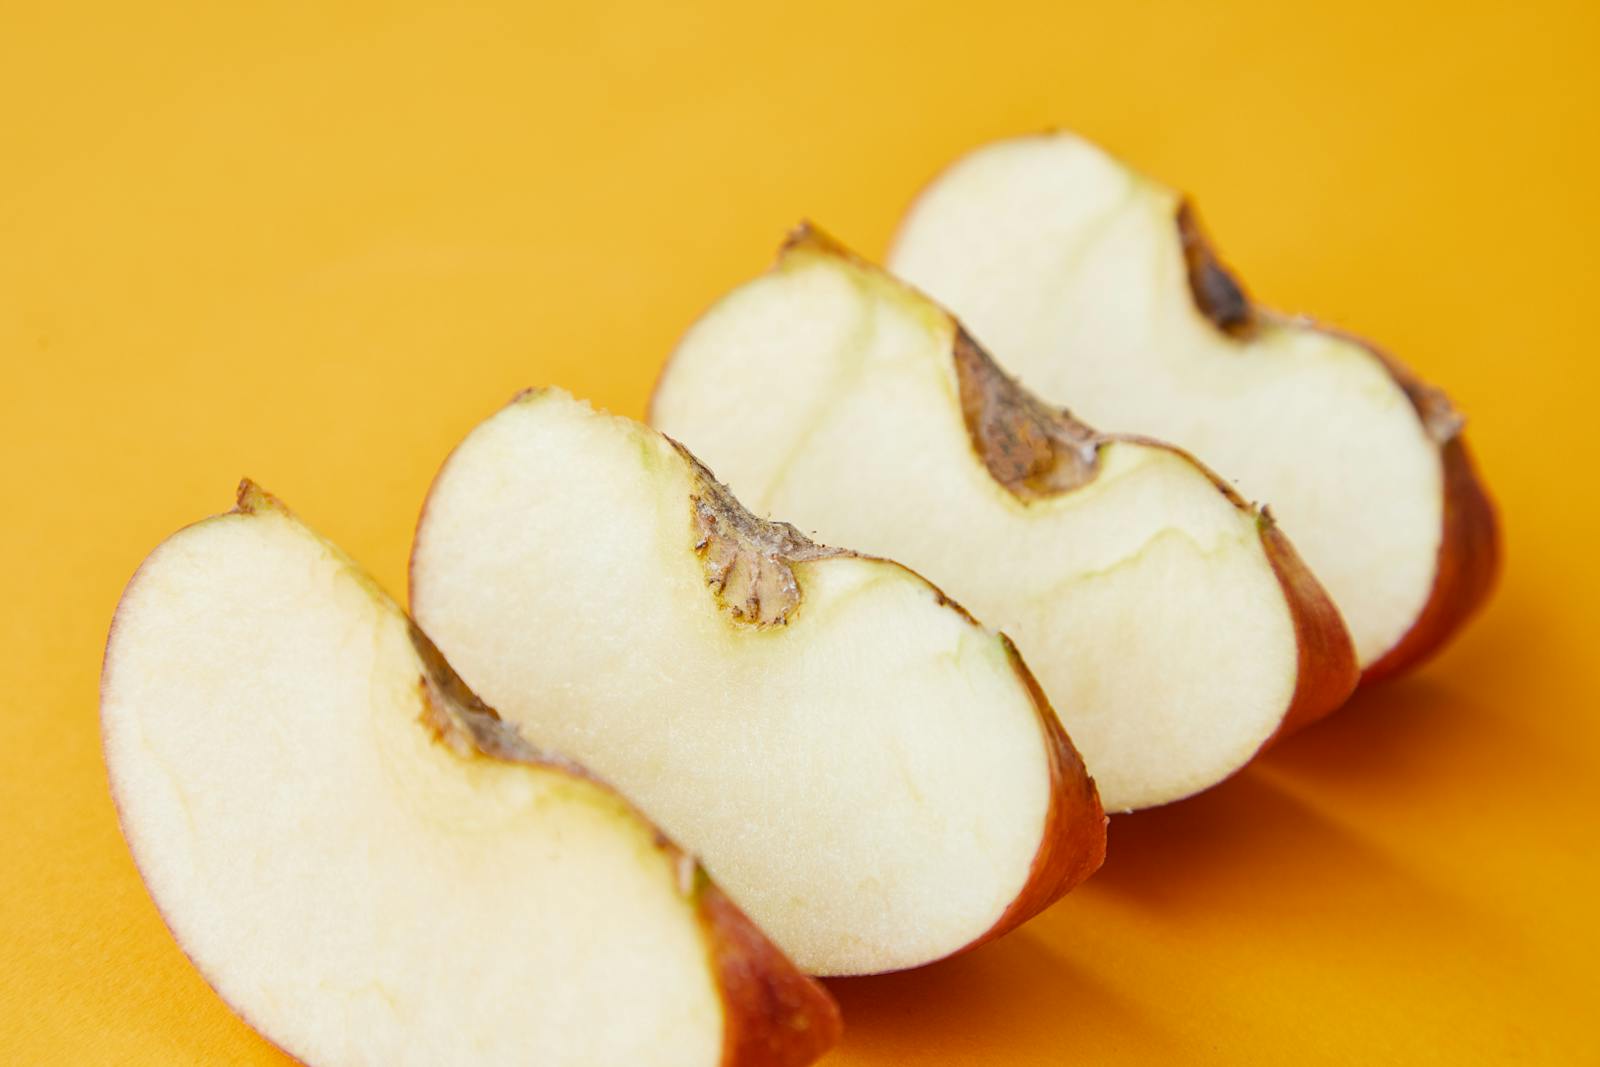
371	867
1172	626
1097	288
865	770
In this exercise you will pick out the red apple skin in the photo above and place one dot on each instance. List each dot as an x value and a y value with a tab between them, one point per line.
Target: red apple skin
1328	670
773	1015
1074	842
1470	547
1469	565
1072	845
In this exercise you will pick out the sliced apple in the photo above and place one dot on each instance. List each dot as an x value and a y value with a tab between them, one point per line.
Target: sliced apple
869	773
1095	286
1172	626
371	867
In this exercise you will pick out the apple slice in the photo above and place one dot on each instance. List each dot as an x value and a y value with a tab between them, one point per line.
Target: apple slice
371	867
1172	626
869	773
1095	286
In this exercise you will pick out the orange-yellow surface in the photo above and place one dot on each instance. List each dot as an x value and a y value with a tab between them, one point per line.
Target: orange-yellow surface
316	245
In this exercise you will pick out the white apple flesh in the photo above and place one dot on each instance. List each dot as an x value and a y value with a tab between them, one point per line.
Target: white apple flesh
1096	287
867	772
1173	629
372	868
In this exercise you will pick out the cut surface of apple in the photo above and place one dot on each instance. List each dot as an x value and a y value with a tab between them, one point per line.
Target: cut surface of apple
866	771
371	867
1174	631
1095	286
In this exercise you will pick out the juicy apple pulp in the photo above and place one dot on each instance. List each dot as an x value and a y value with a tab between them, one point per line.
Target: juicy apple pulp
371	867
1173	628
870	774
1096	287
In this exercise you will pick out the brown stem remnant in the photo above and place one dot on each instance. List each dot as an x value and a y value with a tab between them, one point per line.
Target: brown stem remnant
1217	293
1221	298
749	562
464	723
1033	450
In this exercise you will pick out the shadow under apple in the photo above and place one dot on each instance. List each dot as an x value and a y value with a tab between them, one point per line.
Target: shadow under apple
1014	1000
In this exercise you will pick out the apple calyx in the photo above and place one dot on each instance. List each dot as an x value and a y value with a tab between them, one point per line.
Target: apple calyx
748	560
1033	450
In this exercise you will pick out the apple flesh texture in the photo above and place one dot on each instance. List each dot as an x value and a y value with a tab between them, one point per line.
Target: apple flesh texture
1145	597
864	769
371	868
1094	286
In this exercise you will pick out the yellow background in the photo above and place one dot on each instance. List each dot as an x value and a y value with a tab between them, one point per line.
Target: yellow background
316	244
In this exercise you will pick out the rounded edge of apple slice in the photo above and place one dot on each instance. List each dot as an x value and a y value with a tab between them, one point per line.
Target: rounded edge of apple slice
1468	560
1070	850
1467	563
1036	451
1045	452
773	1014
114	788
1072	842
